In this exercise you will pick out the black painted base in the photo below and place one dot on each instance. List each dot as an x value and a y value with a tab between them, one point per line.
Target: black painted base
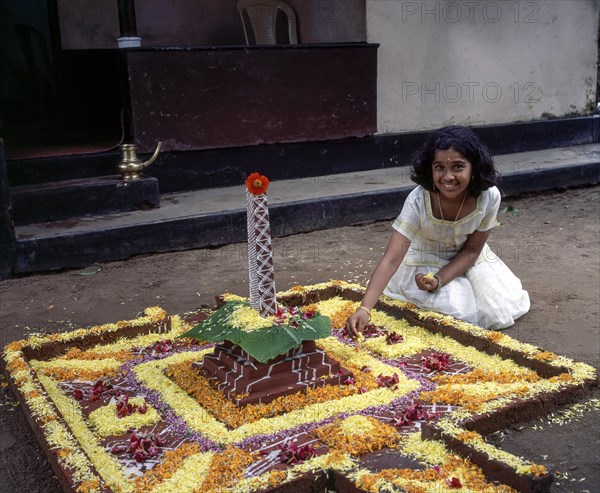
195	170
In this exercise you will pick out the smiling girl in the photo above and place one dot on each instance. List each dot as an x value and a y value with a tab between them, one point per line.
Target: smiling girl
437	256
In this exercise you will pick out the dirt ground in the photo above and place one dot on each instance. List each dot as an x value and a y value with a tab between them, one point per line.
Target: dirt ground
551	241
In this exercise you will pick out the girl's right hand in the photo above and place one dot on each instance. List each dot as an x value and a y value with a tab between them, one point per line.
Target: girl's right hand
357	322
426	282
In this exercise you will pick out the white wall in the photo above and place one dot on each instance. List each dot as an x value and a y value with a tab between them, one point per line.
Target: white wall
482	62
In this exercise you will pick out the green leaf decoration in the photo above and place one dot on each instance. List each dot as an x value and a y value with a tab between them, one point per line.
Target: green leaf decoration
262	344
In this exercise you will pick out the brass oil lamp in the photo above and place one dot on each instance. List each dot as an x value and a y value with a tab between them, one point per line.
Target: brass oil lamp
130	165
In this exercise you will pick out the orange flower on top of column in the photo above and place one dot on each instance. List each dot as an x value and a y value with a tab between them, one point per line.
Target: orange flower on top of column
257	184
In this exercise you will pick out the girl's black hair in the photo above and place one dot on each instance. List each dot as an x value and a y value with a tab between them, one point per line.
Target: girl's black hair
462	140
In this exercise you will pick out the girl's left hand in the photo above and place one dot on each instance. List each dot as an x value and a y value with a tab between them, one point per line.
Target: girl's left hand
426	283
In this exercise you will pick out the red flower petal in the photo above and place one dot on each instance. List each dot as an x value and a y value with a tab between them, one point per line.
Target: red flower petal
257	184
455	483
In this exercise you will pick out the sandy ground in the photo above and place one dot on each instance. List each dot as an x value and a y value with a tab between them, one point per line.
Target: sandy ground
551	241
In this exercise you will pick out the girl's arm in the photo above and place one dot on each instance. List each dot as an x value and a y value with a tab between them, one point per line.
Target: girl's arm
392	258
464	259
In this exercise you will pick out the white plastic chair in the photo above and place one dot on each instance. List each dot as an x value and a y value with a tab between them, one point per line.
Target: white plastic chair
263	16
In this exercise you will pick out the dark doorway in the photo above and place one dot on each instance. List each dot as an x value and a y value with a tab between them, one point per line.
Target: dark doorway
53	101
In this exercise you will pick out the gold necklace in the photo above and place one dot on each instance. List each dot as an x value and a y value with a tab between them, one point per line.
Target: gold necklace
450	242
459	210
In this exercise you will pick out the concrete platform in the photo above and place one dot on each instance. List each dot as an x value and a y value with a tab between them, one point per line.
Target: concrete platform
213	217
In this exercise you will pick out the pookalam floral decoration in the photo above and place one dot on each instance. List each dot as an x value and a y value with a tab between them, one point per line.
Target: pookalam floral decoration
127	407
259	326
121	407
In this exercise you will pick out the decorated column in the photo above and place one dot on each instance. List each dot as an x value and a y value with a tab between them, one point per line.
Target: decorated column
260	250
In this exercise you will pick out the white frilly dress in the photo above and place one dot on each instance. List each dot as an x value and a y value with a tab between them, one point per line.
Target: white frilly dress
488	294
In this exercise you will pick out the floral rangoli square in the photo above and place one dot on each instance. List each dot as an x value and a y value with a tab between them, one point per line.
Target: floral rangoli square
122	407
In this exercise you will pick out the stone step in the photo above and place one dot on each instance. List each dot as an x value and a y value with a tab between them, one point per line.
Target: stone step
61	200
216	216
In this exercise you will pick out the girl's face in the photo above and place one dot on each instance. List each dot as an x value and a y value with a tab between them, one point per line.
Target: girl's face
451	172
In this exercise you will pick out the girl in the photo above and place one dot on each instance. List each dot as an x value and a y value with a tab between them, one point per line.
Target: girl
437	256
